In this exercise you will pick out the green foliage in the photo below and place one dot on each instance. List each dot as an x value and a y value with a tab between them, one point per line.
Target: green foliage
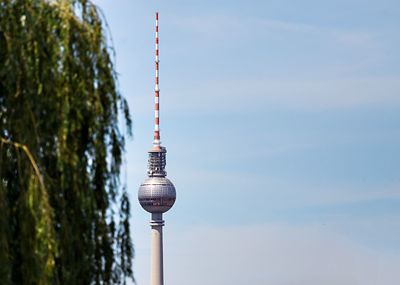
64	215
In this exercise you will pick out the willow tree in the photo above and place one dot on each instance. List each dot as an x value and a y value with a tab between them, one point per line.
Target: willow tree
63	211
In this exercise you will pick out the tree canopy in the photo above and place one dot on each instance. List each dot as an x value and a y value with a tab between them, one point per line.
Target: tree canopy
64	214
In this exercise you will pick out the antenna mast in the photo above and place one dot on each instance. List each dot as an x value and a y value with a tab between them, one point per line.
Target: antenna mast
157	142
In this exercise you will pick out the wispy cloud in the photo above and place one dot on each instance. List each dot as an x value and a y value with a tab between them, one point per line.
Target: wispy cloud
274	254
335	69
225	27
316	194
288	93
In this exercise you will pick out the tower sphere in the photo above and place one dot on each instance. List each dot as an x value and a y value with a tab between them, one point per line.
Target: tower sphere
157	194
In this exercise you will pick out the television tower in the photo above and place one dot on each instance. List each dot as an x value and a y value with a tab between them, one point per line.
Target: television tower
157	193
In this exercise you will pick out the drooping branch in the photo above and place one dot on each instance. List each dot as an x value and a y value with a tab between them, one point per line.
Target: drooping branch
29	155
60	112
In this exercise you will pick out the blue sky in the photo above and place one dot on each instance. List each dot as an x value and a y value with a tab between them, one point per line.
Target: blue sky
282	124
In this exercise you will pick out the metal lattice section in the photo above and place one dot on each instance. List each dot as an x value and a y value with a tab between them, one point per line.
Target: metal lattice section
156	163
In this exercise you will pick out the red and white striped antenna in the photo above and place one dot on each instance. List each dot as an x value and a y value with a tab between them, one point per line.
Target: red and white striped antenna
157	141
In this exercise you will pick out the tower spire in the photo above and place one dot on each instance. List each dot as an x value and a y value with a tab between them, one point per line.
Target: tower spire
157	142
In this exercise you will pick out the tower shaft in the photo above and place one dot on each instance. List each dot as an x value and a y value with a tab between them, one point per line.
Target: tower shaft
156	258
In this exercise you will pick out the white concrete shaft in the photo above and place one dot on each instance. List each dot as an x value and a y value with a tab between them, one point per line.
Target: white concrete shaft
156	259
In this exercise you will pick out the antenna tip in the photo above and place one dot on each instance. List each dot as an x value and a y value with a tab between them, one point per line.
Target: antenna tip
156	15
